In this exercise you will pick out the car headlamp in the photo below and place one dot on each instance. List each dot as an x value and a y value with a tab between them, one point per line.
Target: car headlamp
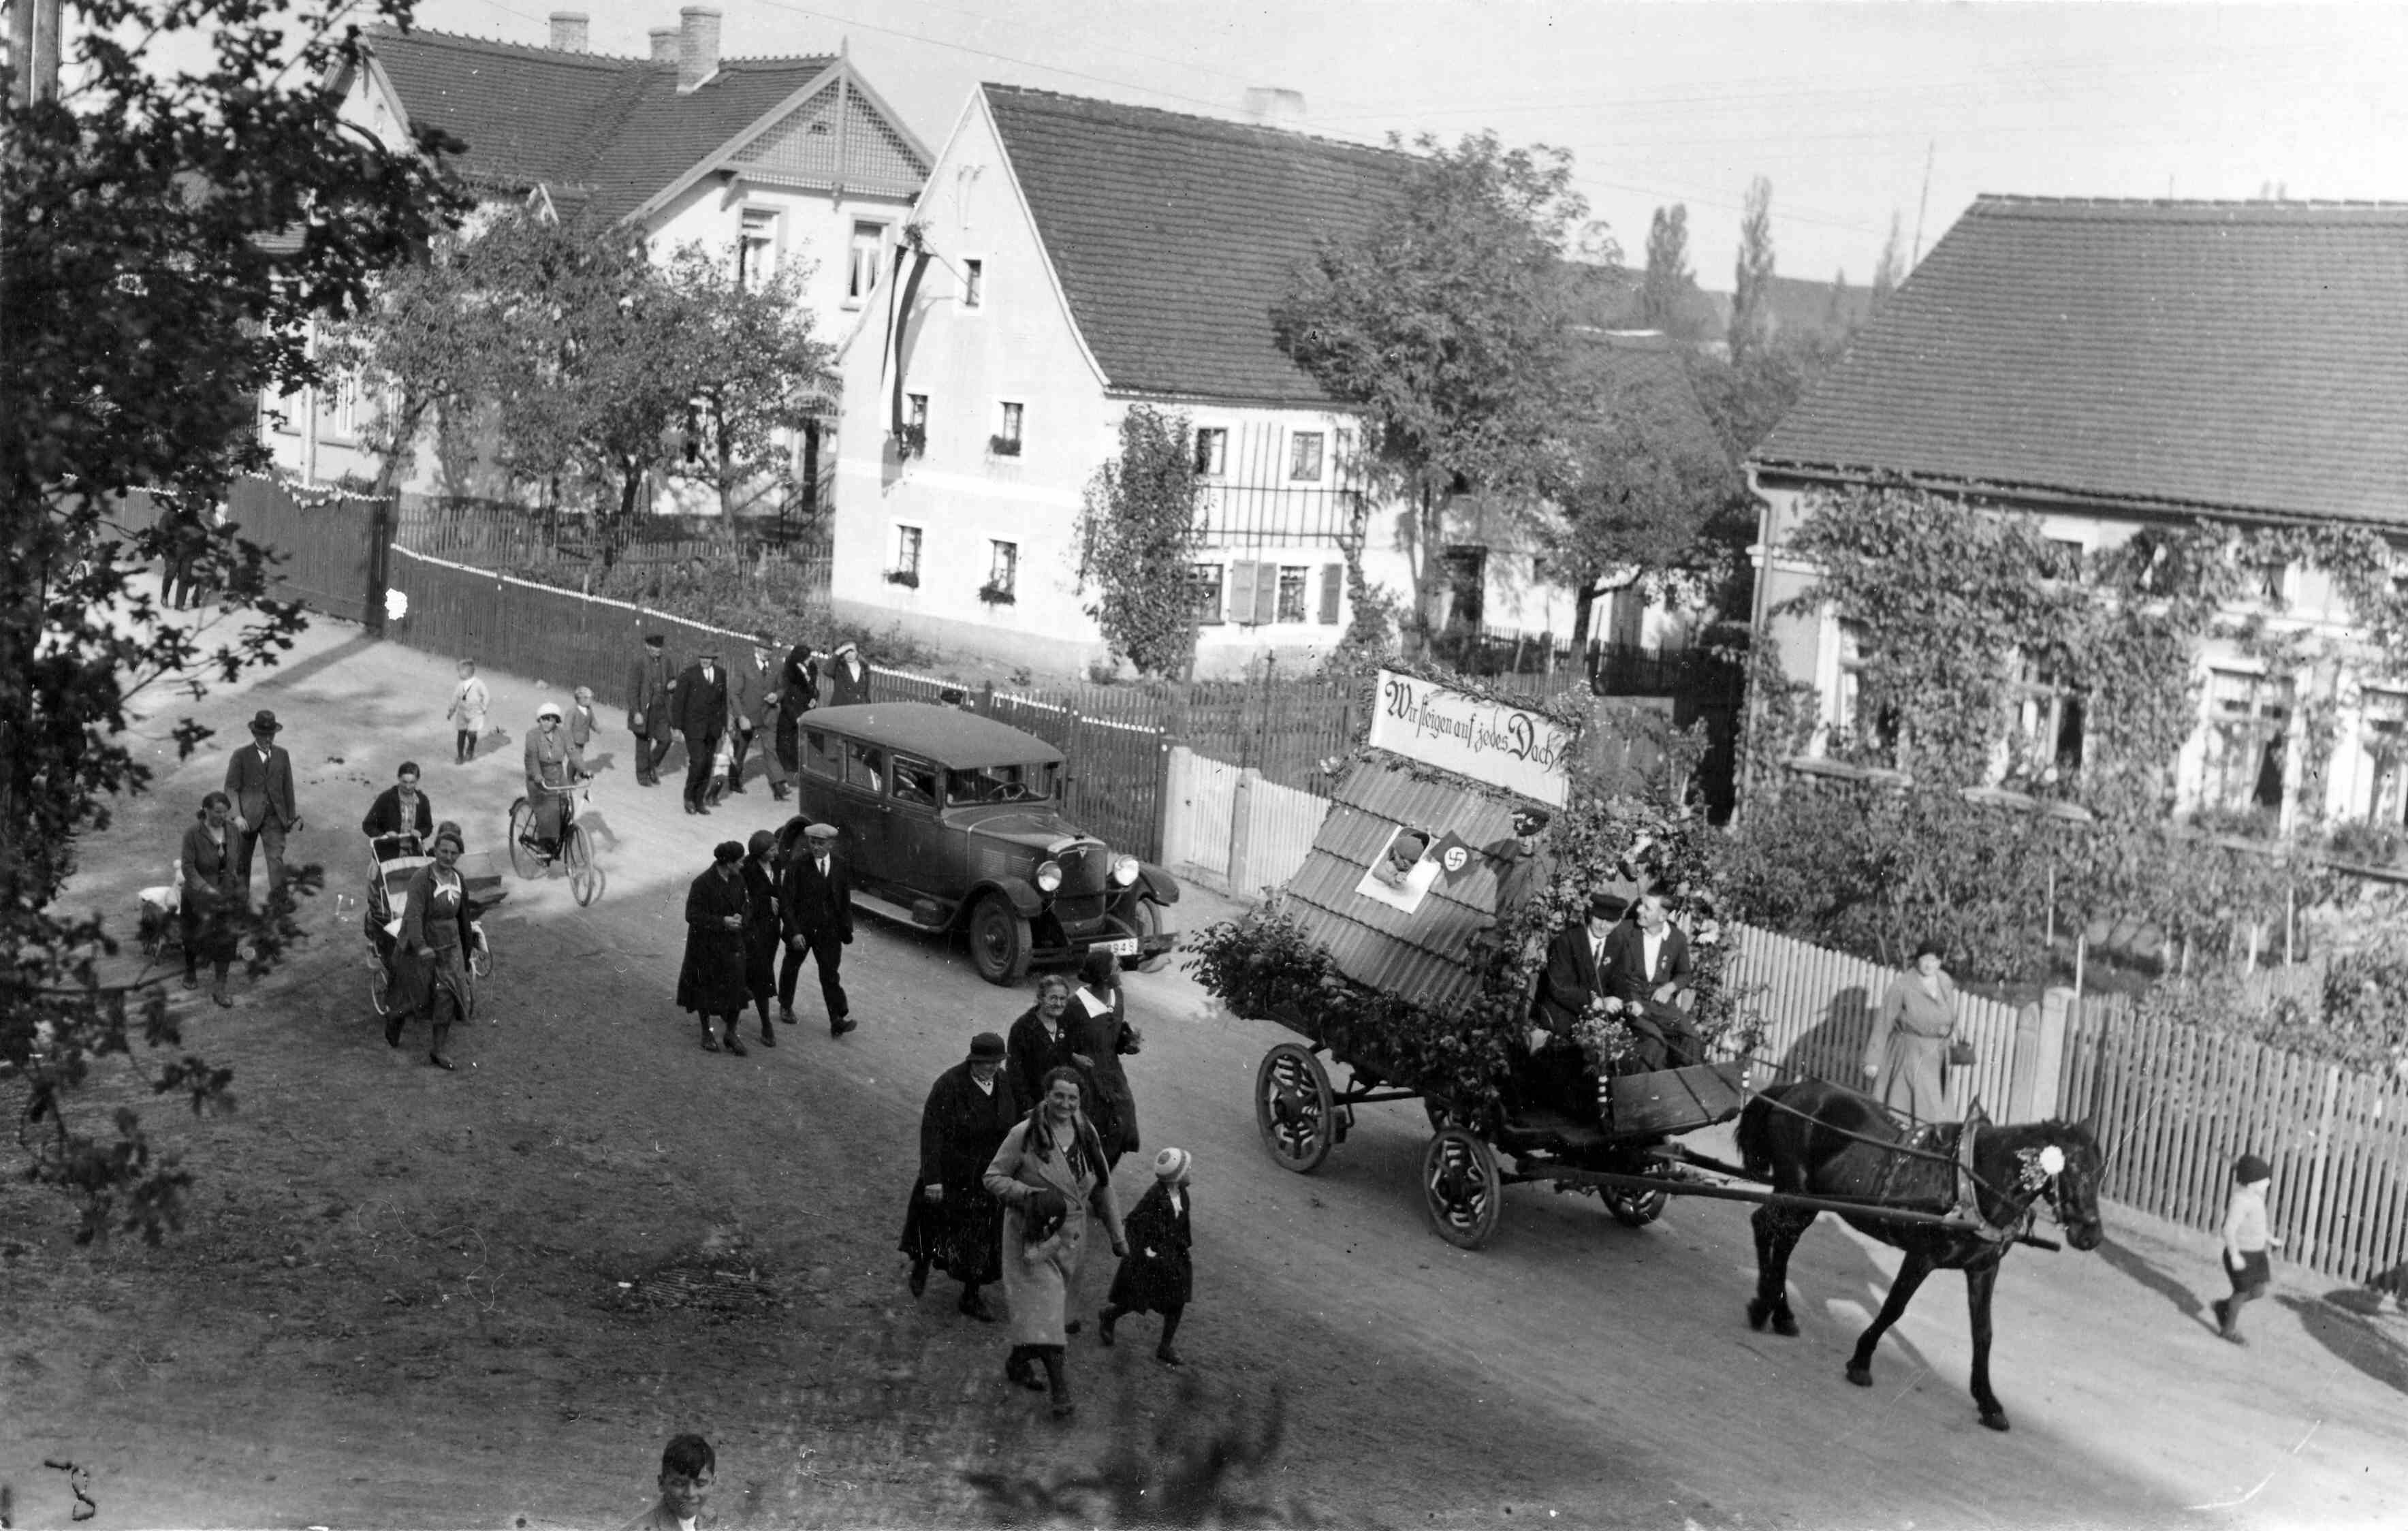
1048	876
1124	871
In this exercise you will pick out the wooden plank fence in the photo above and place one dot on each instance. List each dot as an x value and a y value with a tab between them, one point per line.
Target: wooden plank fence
2175	1106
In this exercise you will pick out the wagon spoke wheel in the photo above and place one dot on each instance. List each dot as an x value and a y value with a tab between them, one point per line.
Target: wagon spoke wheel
1461	1188
380	986
524	860
1633	1207
586	878
1292	1108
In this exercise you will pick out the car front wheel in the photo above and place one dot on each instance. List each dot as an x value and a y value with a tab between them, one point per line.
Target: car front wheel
999	940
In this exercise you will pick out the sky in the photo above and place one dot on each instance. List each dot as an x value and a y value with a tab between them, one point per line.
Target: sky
1841	107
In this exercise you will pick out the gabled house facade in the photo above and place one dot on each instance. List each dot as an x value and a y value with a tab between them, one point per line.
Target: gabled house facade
2109	366
771	161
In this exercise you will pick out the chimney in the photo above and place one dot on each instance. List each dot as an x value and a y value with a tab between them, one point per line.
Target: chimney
697	46
664	44
568	31
1273	107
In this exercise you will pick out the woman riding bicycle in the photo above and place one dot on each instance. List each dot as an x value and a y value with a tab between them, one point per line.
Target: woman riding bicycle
553	763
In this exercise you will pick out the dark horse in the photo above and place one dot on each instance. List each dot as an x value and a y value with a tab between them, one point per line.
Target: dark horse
1796	1135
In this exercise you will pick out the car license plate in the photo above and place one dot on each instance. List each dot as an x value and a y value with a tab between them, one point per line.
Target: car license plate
1126	946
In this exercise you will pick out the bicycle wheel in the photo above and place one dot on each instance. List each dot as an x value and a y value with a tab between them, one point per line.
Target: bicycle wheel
524	860
481	960
586	878
380	985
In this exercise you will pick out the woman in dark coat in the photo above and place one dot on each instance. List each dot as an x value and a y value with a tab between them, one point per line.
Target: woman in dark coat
1158	1273
710	981
1041	1042
438	929
761	927
953	1221
1100	1032
211	896
798	692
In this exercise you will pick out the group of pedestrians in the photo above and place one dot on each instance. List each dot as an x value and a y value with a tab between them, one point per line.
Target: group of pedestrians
1018	1143
720	708
755	903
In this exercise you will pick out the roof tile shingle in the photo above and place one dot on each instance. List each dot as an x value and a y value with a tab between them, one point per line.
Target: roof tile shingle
2245	357
1174	236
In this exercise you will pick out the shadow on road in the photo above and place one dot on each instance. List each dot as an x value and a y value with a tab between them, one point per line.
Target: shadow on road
2178	1293
286	677
2332	1321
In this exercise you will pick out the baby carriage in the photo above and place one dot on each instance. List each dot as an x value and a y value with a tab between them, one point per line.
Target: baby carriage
393	861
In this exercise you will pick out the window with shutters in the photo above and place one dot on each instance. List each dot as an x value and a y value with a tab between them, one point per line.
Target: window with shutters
1211	593
1291	593
1254	594
1333	591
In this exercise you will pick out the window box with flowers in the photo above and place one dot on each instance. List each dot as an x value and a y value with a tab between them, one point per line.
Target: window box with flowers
995	594
1003	445
910	577
912	440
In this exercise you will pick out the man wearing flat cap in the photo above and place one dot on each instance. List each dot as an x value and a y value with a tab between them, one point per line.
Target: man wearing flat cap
954	1223
651	683
700	712
1524	866
847	677
710	981
815	904
259	779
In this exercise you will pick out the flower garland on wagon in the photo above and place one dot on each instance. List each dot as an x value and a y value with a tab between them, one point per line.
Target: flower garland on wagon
1263	964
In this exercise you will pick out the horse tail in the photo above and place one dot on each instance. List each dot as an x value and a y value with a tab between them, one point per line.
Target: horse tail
1754	1123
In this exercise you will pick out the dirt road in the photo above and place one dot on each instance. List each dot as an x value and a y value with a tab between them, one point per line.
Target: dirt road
411	1298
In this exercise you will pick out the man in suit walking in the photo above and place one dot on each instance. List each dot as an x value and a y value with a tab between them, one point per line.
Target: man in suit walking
815	902
260	780
746	685
1647	968
699	710
650	683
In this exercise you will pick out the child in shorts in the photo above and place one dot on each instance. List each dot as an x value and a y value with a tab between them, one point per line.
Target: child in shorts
2246	1240
469	700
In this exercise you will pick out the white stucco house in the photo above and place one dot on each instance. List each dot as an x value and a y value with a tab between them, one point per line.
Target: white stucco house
769	160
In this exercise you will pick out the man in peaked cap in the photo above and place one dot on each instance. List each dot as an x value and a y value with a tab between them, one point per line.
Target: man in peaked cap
700	712
815	904
259	779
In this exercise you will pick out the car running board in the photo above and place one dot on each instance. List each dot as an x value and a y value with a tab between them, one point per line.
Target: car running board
926	915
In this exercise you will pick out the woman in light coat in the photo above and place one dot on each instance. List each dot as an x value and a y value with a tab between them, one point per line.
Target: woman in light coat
1907	1053
1051	1165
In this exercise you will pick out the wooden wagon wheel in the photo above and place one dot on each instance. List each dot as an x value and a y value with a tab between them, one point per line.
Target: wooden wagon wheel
1292	1108
1633	1207
1461	1188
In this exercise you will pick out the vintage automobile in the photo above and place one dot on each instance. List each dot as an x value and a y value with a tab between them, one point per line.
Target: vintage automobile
951	821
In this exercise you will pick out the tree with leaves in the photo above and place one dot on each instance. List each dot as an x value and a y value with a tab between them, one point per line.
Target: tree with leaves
172	221
1668	287
1447	322
1751	314
1139	533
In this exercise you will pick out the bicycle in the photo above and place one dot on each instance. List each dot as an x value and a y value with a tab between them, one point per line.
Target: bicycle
530	859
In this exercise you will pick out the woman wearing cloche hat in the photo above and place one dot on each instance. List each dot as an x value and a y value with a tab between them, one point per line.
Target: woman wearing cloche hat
711	980
953	1221
1158	1275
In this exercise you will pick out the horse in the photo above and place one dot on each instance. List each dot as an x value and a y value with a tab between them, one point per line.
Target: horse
1812	1138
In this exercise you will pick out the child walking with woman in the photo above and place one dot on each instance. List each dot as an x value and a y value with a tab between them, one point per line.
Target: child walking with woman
469	700
1158	1274
2246	1240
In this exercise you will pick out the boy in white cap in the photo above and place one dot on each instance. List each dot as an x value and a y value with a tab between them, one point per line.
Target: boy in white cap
1157	1275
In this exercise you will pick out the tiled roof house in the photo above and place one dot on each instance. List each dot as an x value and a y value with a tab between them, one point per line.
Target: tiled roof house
771	159
1085	257
2106	365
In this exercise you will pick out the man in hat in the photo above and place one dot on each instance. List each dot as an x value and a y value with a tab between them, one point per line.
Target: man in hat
848	678
699	710
1525	867
748	685
798	692
816	903
1575	969
1647	969
954	1223
711	980
650	684
259	779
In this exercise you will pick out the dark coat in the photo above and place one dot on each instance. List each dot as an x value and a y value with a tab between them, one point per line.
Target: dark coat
747	689
1031	1056
799	682
960	1129
261	787
710	981
1158	1274
813	905
385	816
1626	963
699	708
1570	981
760	929
1106	1039
650	681
448	927
841	686
211	896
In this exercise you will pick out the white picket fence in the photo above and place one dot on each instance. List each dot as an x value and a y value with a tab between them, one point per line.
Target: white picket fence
1229	830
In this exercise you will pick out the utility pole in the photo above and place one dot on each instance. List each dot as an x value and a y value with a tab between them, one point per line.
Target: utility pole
33	51
1921	207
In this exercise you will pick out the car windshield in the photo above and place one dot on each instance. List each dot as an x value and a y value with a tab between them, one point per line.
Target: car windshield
1001	784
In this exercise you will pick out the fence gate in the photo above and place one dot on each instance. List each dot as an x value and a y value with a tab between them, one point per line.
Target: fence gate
1200	819
332	550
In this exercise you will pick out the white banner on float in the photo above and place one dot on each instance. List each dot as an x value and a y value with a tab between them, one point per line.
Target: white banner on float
1521	750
